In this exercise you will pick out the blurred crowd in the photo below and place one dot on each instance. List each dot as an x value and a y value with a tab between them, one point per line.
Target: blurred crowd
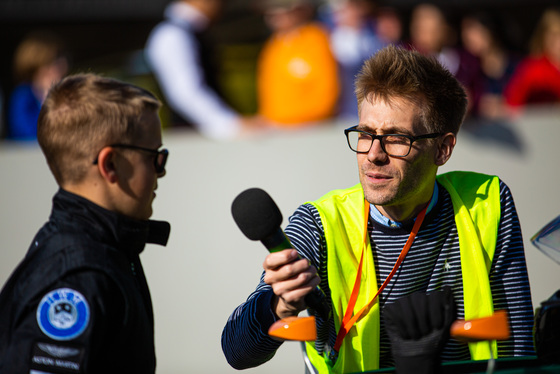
305	68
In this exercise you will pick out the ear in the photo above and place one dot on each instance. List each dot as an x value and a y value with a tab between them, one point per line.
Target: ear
445	148
106	164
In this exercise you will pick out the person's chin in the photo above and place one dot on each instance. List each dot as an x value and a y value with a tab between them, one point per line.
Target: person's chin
378	193
144	215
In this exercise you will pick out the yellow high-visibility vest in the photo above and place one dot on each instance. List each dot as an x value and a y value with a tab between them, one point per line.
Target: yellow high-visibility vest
476	204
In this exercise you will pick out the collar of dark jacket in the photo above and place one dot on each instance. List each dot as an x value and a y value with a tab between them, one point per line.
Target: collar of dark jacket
77	213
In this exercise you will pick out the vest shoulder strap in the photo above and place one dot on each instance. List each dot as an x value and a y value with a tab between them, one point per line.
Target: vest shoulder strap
342	216
476	204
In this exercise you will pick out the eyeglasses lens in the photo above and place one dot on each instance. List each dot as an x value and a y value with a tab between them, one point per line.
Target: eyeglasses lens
161	160
393	145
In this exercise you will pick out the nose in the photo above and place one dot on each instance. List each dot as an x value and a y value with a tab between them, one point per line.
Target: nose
162	174
376	152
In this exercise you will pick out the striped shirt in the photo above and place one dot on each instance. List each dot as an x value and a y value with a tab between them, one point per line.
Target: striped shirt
432	262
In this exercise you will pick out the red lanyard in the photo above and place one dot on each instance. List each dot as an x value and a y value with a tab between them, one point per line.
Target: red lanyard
348	321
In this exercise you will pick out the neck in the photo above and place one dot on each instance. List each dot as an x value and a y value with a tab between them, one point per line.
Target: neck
402	213
555	60
97	193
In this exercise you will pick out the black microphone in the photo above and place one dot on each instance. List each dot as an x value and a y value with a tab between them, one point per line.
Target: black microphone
259	218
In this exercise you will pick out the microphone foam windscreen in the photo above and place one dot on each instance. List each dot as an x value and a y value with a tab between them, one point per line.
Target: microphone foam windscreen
256	214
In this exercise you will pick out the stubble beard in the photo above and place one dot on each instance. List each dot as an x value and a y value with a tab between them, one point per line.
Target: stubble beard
379	195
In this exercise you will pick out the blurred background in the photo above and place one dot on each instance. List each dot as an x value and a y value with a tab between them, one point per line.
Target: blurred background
109	36
209	267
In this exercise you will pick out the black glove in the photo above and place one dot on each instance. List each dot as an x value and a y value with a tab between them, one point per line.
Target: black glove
418	328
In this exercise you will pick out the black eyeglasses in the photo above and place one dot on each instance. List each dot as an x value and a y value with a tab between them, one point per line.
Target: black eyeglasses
160	158
395	145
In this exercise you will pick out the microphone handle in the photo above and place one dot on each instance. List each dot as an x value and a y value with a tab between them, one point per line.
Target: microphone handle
316	299
276	242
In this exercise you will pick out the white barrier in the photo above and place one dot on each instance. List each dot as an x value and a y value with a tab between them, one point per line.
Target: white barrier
209	267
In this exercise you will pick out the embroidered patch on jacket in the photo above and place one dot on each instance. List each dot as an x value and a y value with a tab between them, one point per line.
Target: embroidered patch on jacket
57	358
63	314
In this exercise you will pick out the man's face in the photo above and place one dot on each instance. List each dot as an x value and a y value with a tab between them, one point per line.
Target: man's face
396	185
138	176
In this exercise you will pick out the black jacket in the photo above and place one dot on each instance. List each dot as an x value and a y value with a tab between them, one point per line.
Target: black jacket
79	301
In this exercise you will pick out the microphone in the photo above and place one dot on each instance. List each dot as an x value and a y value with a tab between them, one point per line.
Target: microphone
259	218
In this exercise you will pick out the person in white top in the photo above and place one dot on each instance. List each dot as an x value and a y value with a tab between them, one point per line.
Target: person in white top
173	53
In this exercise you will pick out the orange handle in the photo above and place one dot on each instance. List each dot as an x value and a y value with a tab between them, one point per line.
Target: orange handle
495	327
294	328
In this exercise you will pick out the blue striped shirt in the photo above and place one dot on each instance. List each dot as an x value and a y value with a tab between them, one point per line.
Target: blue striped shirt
432	262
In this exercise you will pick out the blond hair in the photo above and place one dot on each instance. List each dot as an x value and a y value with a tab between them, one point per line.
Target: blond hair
549	20
82	114
395	72
38	49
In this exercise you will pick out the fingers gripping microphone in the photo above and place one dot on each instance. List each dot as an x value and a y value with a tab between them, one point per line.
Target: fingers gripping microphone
259	218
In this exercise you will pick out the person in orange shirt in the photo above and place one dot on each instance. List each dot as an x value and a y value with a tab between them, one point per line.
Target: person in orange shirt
297	79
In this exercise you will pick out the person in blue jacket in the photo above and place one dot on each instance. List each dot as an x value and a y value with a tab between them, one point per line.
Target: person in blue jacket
39	61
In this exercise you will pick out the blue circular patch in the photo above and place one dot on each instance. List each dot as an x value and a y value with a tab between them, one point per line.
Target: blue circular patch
63	314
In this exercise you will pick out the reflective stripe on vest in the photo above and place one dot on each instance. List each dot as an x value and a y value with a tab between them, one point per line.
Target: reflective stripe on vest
476	203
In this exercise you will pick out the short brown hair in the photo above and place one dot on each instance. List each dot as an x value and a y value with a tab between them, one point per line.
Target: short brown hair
396	72
82	114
